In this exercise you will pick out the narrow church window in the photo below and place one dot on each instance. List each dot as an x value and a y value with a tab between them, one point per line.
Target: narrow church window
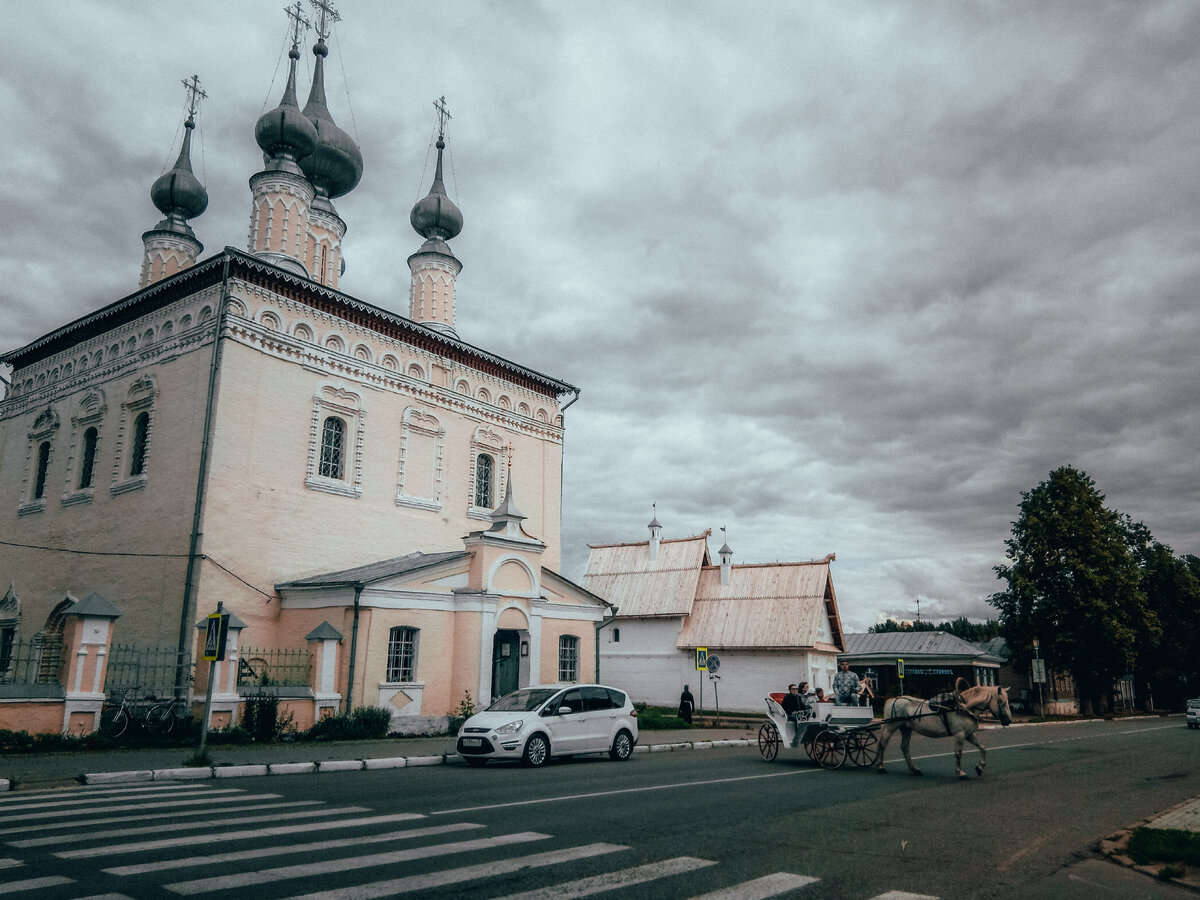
87	465
141	433
333	434
8	634
483	481
402	654
568	658
43	467
616	633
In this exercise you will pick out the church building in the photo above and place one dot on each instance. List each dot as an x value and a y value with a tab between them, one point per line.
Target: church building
240	432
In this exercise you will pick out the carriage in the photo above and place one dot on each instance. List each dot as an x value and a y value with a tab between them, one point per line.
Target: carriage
830	734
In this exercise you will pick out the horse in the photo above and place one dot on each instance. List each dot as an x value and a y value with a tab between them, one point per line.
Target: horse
909	714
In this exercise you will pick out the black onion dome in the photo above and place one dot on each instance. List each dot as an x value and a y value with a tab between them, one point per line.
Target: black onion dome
178	192
436	216
285	131
335	165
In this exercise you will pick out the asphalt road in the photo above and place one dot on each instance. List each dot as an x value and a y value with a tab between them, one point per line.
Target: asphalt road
688	823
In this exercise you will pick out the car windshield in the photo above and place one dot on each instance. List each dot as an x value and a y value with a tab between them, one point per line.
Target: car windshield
523	700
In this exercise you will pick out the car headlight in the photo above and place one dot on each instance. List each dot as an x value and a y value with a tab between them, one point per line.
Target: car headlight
511	727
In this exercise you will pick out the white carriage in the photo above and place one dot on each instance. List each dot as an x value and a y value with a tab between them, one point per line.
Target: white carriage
830	734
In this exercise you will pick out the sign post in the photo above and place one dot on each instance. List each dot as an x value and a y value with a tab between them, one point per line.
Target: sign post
714	665
701	666
900	672
216	630
1039	675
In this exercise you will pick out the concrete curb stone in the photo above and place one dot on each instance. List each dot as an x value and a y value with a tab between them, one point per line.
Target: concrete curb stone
258	769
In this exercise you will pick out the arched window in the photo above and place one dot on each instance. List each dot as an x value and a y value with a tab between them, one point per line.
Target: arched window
43	467
402	654
137	453
87	463
333	456
484	466
616	635
568	658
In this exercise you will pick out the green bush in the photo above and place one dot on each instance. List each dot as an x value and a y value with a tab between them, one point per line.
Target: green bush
658	718
1160	845
261	717
363	723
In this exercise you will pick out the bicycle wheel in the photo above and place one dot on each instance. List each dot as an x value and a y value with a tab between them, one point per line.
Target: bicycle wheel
160	719
114	720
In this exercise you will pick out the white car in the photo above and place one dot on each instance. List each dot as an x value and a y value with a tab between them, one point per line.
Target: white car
537	722
1193	713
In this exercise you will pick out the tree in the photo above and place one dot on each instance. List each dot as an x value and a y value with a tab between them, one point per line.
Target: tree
1074	583
1168	666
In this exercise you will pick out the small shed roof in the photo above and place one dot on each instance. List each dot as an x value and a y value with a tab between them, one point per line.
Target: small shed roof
916	645
365	574
625	576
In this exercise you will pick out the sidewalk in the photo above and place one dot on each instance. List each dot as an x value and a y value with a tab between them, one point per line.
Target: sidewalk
41	770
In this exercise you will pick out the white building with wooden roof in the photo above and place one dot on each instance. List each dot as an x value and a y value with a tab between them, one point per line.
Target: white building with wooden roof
768	624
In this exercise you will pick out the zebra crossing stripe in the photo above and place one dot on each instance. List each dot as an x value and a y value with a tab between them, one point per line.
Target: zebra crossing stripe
221	836
611	881
174	804
465	873
113	820
760	888
34	884
261	852
9	863
346	864
5	800
163	828
903	895
59	804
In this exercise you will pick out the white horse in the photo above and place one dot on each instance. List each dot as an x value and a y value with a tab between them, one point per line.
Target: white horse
909	714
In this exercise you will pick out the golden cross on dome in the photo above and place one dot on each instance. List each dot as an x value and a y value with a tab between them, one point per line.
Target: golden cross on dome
298	20
443	115
195	95
327	15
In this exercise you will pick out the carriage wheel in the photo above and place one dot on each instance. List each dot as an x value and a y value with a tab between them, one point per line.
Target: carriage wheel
828	749
768	741
862	746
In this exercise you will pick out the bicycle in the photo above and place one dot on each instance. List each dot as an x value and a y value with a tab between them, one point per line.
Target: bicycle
158	718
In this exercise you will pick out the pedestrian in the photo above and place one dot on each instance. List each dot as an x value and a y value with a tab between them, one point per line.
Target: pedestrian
686	704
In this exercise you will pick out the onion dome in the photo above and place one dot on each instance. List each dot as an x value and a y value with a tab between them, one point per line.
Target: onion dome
285	134
178	193
436	217
335	165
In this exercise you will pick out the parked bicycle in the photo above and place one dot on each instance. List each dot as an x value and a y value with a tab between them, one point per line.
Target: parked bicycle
157	718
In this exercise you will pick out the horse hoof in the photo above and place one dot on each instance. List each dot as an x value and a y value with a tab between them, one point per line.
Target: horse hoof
881	770
979	770
917	772
963	776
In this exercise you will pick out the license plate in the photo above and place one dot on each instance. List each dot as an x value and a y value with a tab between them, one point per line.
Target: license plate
472	742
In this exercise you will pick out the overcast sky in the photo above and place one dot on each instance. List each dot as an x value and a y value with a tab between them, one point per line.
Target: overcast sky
843	277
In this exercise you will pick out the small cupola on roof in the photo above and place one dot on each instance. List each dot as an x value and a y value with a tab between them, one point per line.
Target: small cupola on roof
655	532
172	245
281	195
726	554
434	267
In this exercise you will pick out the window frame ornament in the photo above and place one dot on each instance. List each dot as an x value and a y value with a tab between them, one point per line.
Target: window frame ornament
135	440
331	401
420	425
486	442
41	434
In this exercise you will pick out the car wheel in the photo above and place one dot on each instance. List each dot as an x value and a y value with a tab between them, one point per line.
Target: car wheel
475	761
622	746
537	751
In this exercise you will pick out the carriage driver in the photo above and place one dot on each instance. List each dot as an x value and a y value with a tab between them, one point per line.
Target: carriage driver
846	685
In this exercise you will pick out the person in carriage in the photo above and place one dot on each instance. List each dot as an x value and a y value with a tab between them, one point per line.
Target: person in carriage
796	707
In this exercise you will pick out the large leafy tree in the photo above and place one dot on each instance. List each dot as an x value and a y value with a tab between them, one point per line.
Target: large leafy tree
1075	584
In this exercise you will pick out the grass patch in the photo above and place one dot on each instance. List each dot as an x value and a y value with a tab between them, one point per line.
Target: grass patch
658	718
1158	845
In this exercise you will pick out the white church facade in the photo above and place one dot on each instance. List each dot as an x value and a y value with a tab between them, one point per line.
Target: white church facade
238	431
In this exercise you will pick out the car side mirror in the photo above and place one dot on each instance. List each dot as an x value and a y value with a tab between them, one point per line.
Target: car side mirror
565	710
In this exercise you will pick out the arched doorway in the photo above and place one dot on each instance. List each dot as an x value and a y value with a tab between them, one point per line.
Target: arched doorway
506	662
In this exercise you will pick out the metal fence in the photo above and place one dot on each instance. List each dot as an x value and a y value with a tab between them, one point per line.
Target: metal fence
37	660
151	671
278	666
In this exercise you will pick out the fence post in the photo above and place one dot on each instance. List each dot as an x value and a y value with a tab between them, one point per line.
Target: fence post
323	641
87	637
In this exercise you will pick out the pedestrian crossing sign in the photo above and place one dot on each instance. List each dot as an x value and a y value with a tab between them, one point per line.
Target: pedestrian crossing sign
216	629
701	659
